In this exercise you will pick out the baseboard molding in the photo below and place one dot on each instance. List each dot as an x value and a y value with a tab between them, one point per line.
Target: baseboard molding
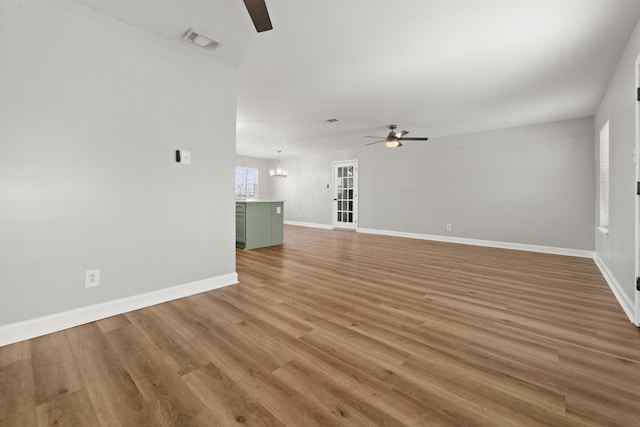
32	328
309	224
489	243
627	305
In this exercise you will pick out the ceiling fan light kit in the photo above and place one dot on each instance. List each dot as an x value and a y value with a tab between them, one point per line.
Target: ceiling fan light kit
393	143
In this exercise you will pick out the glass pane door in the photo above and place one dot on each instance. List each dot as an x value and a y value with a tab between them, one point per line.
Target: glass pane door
345	212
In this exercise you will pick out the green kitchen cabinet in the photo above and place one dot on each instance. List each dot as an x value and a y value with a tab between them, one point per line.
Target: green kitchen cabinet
277	225
259	223
240	228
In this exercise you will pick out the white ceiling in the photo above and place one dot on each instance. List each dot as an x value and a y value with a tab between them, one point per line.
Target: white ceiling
434	67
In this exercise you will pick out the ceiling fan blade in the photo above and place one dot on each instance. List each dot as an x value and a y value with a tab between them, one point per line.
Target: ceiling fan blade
376	142
259	14
413	139
403	133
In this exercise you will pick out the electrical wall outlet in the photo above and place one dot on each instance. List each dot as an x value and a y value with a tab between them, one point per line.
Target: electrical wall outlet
92	278
448	227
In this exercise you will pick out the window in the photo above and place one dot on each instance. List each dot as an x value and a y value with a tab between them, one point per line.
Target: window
604	175
246	183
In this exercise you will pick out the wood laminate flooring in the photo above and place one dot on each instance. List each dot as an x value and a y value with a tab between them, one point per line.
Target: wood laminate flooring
340	328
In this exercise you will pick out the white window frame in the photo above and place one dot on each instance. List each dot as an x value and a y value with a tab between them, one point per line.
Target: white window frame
242	188
604	186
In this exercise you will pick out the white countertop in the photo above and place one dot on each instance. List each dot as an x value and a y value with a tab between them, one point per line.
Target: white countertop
258	201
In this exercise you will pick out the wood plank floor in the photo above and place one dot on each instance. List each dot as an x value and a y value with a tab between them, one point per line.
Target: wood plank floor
338	328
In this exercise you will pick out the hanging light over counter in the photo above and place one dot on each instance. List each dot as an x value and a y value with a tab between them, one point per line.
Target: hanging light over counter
278	172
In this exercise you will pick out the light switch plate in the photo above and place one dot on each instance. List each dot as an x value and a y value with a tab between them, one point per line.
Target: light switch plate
185	157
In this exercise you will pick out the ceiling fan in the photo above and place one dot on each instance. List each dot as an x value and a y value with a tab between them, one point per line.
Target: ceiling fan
393	139
259	14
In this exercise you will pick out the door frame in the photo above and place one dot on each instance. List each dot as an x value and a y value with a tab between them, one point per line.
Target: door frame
334	202
636	160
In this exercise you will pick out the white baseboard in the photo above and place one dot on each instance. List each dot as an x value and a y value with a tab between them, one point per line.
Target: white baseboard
625	302
31	328
309	224
488	243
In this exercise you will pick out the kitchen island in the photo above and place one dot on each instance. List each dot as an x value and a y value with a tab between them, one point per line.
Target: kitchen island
259	223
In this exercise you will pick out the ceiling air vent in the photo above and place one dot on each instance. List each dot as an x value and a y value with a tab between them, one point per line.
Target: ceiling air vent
200	40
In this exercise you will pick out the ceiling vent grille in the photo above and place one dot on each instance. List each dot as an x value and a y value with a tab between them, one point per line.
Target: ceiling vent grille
200	40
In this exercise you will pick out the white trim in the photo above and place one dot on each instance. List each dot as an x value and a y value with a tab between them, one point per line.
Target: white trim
488	243
31	328
624	301
637	201
309	224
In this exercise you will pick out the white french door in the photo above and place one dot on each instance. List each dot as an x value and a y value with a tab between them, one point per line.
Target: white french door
345	195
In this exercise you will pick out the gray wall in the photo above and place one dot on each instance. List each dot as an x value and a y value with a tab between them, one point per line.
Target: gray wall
92	111
264	179
529	185
305	189
618	105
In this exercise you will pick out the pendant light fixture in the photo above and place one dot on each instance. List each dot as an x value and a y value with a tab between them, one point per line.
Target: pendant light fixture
278	172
